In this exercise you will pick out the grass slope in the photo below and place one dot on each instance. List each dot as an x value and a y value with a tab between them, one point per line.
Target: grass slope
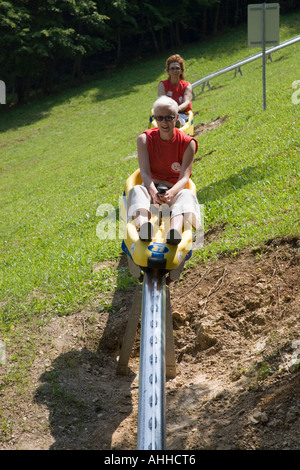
64	156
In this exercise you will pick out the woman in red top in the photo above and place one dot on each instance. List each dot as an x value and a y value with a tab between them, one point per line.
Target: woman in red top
176	87
165	156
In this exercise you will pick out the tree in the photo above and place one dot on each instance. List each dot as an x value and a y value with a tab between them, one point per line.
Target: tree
122	22
43	41
14	26
40	33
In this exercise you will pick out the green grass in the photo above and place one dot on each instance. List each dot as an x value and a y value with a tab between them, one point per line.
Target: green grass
63	156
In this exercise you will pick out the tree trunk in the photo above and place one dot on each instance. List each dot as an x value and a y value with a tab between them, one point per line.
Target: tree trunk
119	46
177	33
216	19
48	76
153	36
162	40
236	14
22	86
226	13
204	24
76	68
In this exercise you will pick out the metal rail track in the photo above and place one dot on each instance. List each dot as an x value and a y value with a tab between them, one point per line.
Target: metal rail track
205	80
152	374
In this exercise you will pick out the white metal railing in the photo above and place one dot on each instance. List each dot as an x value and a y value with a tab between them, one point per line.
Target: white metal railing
152	400
237	66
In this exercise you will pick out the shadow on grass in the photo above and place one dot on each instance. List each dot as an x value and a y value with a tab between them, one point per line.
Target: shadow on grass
128	78
87	400
233	183
114	85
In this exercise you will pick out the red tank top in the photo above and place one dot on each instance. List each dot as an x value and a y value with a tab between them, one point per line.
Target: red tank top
165	158
176	92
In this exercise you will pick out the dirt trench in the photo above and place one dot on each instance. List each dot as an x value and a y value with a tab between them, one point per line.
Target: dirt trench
237	337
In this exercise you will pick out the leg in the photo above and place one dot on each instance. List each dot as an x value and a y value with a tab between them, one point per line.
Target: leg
141	216
139	203
186	204
174	234
177	222
139	209
184	215
183	117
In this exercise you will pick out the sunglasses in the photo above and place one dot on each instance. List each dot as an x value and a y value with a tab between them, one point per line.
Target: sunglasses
175	68
164	118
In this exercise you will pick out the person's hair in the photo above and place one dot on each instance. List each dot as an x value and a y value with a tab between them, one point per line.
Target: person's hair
176	58
165	101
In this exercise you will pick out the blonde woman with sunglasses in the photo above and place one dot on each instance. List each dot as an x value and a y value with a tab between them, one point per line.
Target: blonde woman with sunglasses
165	157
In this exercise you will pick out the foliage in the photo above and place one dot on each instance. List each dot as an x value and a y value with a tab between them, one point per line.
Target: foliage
46	42
63	156
36	35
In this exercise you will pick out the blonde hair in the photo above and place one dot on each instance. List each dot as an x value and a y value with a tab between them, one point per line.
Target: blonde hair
165	101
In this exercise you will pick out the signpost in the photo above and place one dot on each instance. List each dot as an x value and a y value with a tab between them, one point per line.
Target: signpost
263	30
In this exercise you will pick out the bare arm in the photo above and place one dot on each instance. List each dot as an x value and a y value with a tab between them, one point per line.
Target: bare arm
186	168
144	165
161	89
187	98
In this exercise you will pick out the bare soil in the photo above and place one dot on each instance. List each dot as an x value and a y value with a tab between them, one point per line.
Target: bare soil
237	338
236	323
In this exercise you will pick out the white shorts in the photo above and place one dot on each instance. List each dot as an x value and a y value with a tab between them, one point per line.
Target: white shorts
185	202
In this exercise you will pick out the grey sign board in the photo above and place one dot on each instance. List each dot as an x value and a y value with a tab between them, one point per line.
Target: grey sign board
263	30
267	13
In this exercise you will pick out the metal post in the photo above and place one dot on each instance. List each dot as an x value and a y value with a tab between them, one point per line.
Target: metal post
264	54
130	332
152	376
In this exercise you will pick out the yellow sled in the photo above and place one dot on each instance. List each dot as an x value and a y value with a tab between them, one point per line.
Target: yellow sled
156	254
188	128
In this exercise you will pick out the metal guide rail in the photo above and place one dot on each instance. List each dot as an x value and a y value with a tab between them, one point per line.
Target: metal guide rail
205	80
152	406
